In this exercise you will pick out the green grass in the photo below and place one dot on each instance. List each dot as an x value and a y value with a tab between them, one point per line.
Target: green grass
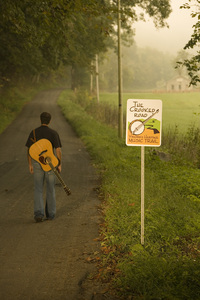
13	100
167	266
178	108
11	104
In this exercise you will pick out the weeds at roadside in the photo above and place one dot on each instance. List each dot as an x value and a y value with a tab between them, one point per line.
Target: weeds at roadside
12	101
167	266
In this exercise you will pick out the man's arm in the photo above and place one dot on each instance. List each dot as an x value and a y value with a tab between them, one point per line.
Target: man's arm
30	162
59	156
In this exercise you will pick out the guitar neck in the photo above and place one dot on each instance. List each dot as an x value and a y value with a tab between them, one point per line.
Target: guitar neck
144	122
67	190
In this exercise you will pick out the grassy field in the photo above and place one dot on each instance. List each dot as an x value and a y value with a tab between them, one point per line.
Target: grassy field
178	108
167	266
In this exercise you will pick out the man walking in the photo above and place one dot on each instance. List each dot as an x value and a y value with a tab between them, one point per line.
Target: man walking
40	176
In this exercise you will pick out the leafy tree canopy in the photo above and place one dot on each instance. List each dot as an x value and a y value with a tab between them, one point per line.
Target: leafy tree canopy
192	64
37	36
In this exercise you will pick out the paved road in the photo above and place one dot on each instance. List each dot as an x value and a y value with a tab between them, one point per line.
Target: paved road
46	260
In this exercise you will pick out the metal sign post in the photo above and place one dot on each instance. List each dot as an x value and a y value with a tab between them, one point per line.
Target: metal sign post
143	128
142	195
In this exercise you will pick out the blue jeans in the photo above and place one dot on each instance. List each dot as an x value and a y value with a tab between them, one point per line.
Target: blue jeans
40	177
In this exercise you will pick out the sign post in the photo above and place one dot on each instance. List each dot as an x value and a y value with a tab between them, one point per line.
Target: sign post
143	128
142	195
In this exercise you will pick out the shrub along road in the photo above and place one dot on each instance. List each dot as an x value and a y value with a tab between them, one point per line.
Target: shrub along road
52	259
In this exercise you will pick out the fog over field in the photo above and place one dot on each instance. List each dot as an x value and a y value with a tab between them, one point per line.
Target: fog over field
171	39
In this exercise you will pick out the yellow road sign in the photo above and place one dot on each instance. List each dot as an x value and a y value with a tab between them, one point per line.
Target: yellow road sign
143	122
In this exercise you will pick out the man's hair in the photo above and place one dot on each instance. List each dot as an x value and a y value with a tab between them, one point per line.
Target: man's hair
45	118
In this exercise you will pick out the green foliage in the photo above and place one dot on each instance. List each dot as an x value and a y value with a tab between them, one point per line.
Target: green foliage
40	36
11	104
183	146
150	277
13	100
159	10
193	64
167	266
37	37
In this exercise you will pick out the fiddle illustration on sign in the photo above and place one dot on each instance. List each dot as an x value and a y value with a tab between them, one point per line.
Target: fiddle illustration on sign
143	126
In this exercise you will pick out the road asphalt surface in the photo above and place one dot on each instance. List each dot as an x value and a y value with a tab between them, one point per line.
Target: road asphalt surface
52	259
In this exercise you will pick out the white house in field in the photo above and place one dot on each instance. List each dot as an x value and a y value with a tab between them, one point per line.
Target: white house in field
179	84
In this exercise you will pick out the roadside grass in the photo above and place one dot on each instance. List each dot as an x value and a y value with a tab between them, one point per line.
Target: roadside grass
11	104
167	266
13	100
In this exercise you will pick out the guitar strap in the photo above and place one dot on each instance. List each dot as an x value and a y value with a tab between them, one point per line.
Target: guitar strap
34	137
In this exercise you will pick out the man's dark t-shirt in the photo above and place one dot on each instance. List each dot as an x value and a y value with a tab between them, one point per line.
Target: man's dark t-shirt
44	132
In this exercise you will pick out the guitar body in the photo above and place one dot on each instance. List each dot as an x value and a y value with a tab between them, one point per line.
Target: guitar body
41	150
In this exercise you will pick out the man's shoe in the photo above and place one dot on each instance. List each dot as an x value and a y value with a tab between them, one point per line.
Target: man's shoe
50	219
38	219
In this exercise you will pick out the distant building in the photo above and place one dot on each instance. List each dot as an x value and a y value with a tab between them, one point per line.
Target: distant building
179	84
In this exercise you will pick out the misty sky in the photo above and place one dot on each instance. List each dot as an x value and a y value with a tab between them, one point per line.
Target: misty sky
168	40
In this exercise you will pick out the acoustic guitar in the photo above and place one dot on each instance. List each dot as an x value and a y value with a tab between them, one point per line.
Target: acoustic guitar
42	152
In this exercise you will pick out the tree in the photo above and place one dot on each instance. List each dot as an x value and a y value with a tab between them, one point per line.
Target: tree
143	68
192	64
38	36
24	30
